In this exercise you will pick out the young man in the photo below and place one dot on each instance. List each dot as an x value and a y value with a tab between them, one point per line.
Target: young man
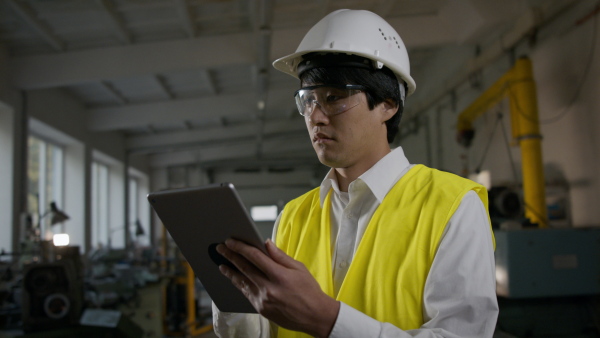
382	248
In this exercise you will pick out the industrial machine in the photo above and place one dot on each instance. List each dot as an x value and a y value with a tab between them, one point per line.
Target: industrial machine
547	279
182	311
53	292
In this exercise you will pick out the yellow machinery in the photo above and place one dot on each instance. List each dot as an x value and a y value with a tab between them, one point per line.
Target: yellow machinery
519	86
183	317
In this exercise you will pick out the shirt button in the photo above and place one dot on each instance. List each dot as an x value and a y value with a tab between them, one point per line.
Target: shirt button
343	264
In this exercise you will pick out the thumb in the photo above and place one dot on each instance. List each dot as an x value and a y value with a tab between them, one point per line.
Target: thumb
278	255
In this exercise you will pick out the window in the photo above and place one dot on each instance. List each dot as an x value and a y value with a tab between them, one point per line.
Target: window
135	226
264	213
100	206
134	215
139	208
45	182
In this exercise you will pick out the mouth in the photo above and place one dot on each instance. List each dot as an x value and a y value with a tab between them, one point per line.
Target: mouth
322	138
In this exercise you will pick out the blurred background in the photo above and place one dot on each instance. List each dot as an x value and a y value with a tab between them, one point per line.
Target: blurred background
104	101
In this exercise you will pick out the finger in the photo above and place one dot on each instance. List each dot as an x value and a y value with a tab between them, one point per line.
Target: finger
279	256
263	262
239	281
246	267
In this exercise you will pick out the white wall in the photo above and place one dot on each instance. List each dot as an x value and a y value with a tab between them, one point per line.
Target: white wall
567	71
60	118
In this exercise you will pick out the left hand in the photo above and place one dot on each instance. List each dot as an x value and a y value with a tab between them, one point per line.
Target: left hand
280	288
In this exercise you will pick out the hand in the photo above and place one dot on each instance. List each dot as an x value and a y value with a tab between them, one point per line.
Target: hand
280	288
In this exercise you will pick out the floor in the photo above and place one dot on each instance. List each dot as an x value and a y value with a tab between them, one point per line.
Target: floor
210	334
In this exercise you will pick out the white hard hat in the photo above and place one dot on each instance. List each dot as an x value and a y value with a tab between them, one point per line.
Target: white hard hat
355	32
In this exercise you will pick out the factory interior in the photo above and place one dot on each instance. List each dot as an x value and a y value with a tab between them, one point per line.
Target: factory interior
103	102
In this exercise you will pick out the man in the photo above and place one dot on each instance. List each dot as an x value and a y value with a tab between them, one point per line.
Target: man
382	248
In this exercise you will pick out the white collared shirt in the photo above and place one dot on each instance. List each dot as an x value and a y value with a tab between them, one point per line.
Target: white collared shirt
459	297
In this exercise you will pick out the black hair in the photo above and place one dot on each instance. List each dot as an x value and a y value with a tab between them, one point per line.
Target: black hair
381	84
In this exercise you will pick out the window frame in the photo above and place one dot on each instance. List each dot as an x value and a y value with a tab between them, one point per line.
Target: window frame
49	151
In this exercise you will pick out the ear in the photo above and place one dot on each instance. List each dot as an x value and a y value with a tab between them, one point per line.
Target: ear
388	109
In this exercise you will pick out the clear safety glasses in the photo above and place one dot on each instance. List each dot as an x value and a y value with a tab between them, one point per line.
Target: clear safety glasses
332	99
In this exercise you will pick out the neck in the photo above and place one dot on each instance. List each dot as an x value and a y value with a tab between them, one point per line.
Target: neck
349	174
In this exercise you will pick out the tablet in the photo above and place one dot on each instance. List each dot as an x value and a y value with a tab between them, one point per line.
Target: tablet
200	218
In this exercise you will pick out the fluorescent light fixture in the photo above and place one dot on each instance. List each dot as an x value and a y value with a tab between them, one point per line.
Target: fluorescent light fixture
264	213
61	239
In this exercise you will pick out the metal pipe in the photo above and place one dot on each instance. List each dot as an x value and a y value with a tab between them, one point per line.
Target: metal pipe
518	83
526	130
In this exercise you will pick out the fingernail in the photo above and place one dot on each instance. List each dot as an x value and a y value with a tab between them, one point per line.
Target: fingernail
220	249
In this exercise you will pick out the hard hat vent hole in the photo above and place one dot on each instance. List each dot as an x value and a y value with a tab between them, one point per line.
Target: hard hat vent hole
390	38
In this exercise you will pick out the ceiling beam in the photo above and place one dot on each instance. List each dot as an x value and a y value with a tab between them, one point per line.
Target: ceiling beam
44	71
188	138
145	143
41	28
113	92
189	25
296	161
116	21
283	147
209	79
162	83
155	113
382	7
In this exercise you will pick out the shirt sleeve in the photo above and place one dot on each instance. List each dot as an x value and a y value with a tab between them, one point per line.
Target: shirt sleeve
240	325
460	291
244	325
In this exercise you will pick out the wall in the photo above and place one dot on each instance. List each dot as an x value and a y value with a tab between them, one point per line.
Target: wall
567	74
58	109
568	77
56	116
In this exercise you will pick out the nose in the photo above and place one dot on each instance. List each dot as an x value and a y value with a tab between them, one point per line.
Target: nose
317	116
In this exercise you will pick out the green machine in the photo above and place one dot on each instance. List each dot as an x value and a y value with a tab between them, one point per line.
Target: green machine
548	282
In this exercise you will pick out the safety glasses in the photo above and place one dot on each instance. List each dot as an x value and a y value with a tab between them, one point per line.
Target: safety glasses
332	99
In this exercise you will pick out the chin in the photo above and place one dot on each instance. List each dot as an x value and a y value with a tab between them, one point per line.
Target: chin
332	162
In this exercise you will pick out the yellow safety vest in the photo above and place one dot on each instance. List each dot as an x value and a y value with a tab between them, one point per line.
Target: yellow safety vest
386	278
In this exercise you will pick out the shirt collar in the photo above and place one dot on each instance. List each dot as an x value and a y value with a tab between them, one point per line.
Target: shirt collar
380	178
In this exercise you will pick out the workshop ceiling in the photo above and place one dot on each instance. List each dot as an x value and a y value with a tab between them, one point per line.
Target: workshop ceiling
190	81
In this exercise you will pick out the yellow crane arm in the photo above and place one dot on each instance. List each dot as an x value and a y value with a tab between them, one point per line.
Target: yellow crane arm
519	86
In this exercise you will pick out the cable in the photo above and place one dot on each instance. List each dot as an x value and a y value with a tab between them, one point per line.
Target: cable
512	161
487	147
579	87
516	178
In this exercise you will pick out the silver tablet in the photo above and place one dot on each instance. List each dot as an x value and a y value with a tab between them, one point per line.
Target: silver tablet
200	218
